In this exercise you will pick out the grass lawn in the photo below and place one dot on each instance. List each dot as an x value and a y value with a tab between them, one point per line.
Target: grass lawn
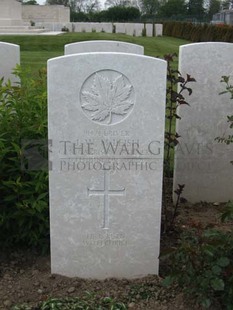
36	50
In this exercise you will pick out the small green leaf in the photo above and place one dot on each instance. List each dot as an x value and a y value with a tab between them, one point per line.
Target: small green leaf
168	281
216	270
223	262
217	284
206	303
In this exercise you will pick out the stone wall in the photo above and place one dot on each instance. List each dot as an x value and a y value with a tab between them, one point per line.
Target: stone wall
46	13
10	13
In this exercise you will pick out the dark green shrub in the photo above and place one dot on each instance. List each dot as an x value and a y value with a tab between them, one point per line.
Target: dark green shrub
199	32
23	186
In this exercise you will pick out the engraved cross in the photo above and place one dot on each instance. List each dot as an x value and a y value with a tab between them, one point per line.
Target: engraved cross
106	192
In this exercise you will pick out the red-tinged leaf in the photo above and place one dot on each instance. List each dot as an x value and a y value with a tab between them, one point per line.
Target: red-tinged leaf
182	102
190	79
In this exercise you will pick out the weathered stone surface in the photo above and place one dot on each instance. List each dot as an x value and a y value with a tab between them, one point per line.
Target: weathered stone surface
201	163
106	123
9	58
130	29
158	30
139	29
10	13
149	30
46	13
120	27
103	46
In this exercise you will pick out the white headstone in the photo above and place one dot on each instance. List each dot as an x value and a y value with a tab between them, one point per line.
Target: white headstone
96	27
138	29
82	27
120	27
106	123
106	27
78	27
149	30
103	46
158	30
9	58
87	27
130	29
201	163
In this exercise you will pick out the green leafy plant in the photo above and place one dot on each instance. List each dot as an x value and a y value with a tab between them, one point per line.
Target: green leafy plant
175	97
202	264
88	302
227	214
24	189
228	90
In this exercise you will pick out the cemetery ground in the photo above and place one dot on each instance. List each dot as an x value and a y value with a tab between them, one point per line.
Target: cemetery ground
25	278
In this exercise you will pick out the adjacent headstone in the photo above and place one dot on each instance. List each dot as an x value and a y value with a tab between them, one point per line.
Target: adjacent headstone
139	29
87	27
158	30
149	30
201	163
82	27
107	27
9	58
106	123
130	29
119	27
103	46
78	27
96	27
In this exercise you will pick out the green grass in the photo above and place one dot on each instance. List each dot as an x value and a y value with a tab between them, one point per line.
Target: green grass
36	50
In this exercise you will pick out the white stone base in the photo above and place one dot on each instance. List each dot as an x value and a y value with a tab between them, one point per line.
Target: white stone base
10	22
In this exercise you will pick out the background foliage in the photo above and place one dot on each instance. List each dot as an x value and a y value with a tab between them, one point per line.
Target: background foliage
198	32
192	10
24	189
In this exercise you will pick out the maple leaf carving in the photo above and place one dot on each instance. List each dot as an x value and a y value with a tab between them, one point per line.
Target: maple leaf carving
107	97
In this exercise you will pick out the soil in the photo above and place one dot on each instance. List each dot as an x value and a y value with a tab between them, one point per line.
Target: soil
25	276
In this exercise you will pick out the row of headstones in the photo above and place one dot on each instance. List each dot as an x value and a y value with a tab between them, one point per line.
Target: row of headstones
133	29
106	121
